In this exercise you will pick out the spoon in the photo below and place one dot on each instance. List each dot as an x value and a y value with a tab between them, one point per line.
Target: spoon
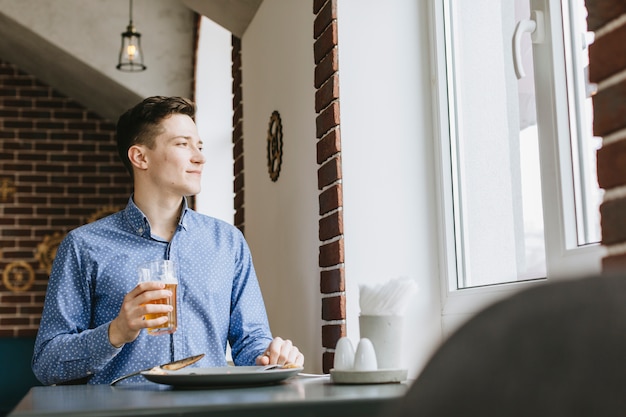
171	366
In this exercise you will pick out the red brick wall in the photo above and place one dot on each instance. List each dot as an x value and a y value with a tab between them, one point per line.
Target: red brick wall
607	68
59	169
329	178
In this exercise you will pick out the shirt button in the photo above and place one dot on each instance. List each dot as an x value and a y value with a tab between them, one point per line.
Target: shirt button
140	230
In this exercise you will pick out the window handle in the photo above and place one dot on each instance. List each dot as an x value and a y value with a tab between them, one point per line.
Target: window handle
535	27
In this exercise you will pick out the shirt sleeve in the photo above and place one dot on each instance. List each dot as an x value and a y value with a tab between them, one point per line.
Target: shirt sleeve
66	347
249	333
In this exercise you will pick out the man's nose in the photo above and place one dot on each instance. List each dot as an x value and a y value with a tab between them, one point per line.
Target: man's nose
198	157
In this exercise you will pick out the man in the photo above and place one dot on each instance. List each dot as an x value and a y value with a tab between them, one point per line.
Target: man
94	310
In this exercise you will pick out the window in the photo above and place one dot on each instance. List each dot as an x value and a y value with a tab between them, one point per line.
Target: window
517	158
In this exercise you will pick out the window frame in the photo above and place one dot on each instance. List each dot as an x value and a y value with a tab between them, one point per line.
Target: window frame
564	257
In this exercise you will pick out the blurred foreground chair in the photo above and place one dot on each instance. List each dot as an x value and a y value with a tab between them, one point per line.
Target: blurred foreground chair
554	350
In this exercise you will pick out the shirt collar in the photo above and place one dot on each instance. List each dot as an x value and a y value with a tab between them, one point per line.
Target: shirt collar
139	222
183	213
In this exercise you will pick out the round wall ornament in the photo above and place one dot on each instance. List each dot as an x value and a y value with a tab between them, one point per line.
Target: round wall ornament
18	276
274	146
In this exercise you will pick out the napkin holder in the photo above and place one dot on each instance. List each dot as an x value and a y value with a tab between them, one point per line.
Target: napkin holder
386	334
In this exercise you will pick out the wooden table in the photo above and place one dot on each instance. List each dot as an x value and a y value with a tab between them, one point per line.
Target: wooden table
298	396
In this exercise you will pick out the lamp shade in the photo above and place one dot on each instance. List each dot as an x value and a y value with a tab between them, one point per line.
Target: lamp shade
131	55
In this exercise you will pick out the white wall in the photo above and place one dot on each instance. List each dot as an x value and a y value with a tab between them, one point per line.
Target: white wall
388	168
281	218
388	161
91	30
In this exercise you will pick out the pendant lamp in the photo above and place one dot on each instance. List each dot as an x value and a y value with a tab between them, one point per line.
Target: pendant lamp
131	55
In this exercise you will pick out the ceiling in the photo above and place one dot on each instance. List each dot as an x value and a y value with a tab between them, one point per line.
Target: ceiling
54	66
233	15
72	76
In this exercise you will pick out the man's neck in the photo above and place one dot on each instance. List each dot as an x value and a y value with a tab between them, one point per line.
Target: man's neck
163	212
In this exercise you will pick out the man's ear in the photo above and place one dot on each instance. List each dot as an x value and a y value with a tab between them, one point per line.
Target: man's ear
137	157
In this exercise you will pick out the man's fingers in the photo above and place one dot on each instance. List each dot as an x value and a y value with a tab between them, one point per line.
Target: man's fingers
274	350
285	352
281	352
145	286
152	297
263	360
295	356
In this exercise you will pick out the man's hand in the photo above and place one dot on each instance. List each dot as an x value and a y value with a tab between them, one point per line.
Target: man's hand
126	326
281	352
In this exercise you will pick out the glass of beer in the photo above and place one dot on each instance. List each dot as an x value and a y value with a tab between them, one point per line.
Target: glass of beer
162	271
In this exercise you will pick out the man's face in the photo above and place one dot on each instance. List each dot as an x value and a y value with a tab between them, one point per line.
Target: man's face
175	162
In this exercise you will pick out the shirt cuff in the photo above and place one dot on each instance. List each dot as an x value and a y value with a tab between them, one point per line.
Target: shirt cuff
109	339
102	345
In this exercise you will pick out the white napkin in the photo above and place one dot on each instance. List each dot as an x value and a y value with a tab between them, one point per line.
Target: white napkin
388	299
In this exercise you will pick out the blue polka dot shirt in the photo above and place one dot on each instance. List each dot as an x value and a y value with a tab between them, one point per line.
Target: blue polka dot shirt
218	296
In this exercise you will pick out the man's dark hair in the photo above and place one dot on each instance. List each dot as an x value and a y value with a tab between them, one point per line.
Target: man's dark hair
140	124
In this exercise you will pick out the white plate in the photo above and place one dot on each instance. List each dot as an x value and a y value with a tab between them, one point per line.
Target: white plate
380	376
221	376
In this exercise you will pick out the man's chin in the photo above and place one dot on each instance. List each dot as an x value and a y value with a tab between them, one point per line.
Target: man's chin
192	192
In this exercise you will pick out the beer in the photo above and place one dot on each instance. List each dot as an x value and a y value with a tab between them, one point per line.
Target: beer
162	271
170	325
